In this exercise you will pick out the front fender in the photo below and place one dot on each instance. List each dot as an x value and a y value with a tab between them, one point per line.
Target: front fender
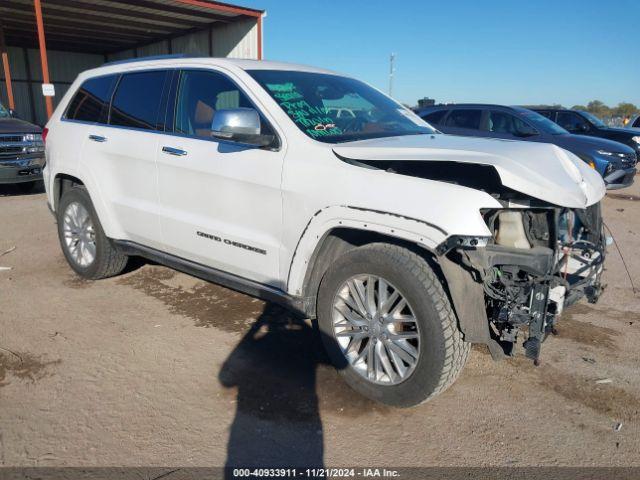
414	230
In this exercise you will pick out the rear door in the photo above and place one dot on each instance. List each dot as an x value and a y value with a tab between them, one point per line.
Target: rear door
87	110
464	121
121	155
220	202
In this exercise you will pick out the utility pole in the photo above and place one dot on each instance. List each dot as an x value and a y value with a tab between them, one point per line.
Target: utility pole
392	69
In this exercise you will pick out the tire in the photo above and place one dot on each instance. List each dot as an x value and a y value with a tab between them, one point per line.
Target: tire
442	351
107	260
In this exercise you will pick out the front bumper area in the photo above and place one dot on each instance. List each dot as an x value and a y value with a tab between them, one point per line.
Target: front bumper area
21	170
506	289
620	178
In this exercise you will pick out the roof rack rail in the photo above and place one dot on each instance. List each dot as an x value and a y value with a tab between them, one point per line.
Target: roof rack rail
144	59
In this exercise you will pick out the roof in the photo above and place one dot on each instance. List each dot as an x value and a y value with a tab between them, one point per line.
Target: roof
180	60
108	26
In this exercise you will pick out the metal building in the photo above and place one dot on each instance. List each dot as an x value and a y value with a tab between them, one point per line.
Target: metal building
51	41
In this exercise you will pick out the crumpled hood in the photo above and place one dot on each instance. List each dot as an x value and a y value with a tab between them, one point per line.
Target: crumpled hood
540	170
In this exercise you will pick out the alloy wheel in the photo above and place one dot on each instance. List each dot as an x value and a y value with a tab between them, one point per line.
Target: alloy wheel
79	234
376	329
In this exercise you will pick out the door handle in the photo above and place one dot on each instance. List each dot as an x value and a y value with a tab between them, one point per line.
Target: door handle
174	151
97	138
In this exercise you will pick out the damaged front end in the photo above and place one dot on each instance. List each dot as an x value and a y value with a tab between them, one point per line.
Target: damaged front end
541	259
544	245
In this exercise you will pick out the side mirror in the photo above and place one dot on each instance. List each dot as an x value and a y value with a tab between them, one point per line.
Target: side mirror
240	125
583	127
13	113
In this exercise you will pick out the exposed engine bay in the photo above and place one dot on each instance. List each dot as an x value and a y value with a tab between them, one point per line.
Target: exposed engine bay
541	260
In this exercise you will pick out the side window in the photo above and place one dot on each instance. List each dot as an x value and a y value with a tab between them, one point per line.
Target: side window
546	113
136	102
200	95
464	119
91	101
502	122
572	121
636	124
434	118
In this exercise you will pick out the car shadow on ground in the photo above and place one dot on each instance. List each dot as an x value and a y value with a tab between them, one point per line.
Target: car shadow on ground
274	367
17	189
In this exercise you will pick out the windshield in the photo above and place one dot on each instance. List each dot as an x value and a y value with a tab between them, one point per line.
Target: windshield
543	123
593	119
334	109
4	113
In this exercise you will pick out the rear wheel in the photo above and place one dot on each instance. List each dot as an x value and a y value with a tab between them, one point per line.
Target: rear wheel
85	246
388	326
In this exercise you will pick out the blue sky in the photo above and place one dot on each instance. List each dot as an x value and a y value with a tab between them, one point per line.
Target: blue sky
510	52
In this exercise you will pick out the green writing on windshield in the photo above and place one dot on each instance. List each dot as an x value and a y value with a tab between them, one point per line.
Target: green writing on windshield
315	119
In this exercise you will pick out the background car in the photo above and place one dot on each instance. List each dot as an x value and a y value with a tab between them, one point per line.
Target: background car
614	161
21	151
585	123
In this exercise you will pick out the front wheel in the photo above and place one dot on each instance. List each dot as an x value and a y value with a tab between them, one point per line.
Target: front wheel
388	326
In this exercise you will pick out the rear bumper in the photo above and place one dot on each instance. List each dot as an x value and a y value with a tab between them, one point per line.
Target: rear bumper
21	170
620	178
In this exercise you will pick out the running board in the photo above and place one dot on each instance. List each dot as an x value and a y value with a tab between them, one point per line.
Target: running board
297	305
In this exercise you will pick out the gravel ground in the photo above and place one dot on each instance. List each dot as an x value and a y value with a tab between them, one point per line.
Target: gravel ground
156	368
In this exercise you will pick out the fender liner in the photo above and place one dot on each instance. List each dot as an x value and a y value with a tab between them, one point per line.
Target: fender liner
467	298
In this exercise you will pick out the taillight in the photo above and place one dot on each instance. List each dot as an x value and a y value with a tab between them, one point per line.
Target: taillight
45	131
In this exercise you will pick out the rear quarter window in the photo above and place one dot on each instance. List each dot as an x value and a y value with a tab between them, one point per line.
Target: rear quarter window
91	101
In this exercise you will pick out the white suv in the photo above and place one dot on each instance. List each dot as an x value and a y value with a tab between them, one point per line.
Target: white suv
407	245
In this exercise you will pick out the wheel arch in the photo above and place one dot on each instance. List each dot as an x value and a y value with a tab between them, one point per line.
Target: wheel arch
61	183
65	180
463	290
334	230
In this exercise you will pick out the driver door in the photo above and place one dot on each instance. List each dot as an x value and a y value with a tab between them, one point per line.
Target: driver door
220	202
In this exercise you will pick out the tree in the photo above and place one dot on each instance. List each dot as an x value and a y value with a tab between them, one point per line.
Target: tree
579	107
625	109
598	108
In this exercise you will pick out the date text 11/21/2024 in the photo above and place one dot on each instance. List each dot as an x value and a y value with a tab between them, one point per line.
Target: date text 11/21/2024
315	473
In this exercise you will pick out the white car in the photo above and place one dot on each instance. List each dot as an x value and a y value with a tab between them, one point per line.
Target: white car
407	245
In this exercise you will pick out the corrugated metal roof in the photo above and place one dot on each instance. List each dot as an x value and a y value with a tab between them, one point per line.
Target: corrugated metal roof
108	26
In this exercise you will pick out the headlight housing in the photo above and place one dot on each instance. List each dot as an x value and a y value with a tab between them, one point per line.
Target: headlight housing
33	137
606	153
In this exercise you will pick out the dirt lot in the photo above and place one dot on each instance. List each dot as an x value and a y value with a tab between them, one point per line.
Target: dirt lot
157	368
